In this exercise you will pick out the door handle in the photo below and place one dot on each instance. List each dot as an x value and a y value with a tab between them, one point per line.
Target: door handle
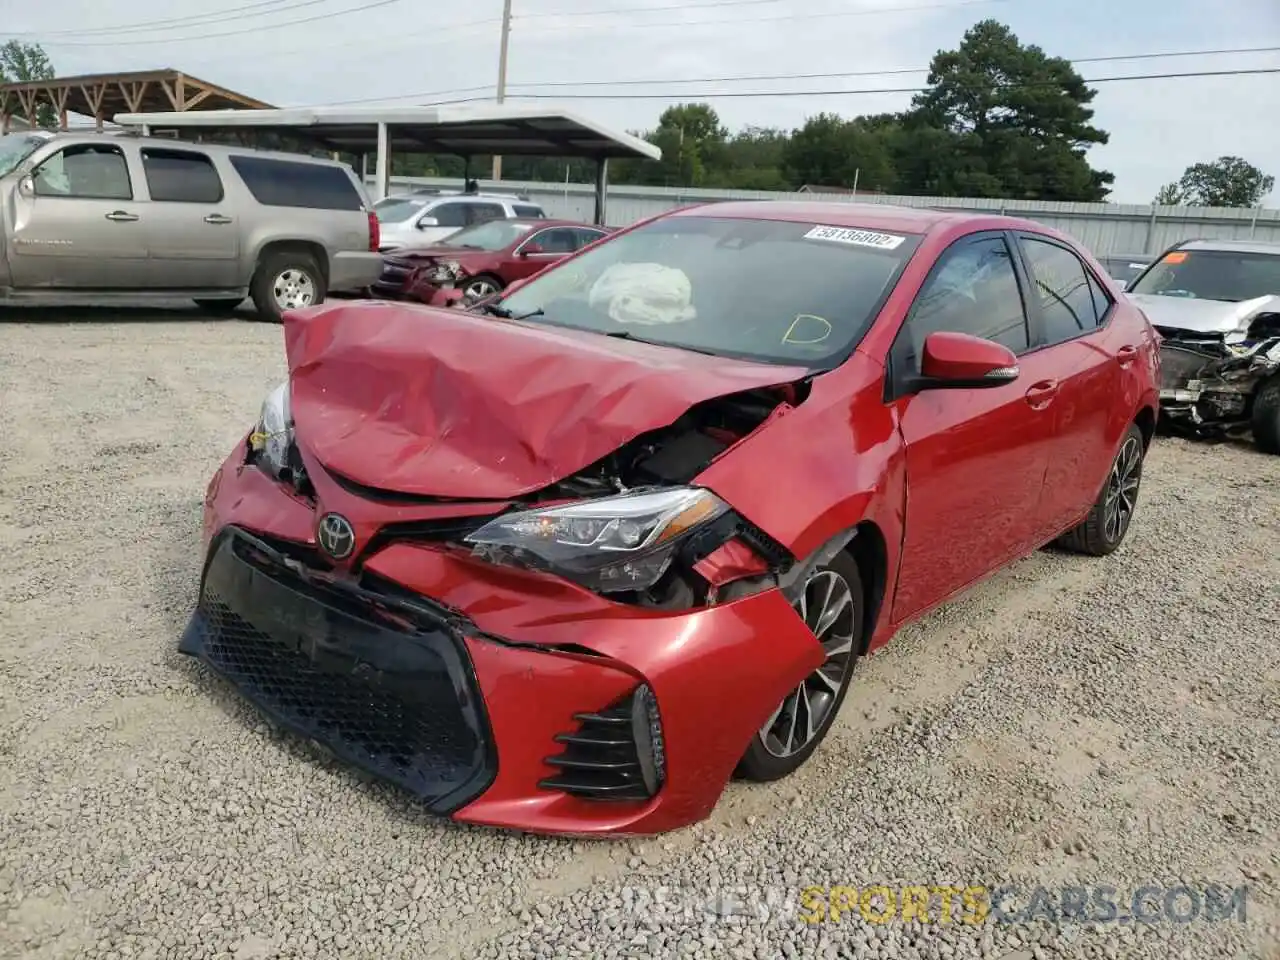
120	216
1041	394
216	218
1126	355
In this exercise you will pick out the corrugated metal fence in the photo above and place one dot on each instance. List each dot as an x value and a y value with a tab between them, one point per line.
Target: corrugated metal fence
1103	227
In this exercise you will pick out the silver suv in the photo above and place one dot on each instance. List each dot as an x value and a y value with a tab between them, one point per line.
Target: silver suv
136	218
415	220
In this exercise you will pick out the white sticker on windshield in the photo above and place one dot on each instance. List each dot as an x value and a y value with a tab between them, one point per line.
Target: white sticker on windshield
857	238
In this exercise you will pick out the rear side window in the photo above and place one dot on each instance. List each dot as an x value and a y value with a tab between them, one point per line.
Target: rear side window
585	237
1062	287
181	176
480	212
282	183
450	214
528	211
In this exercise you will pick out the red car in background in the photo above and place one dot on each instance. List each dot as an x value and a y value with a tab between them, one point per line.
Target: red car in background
482	259
599	542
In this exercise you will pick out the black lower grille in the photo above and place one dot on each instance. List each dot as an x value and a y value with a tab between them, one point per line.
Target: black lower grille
615	754
1178	365
398	702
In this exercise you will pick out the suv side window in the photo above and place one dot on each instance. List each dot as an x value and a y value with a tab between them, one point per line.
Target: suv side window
283	183
449	214
181	176
90	171
973	289
1062	286
481	212
528	211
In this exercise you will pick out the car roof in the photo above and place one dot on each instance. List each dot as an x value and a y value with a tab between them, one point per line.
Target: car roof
1232	246
865	216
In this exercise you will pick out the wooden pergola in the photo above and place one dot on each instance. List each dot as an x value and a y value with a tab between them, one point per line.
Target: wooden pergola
102	95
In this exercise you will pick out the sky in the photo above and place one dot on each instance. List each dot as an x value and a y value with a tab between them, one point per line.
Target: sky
401	52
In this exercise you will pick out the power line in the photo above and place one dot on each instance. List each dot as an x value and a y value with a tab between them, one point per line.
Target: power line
195	19
701	95
654	81
542	14
372	5
764	77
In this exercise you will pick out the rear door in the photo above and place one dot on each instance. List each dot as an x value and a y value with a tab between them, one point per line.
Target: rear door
84	228
976	458
479	211
1071	313
193	231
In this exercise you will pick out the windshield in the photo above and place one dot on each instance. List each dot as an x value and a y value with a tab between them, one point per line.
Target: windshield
778	291
397	210
1213	275
16	147
490	235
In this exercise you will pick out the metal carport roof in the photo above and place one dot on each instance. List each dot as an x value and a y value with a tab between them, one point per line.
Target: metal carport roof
465	131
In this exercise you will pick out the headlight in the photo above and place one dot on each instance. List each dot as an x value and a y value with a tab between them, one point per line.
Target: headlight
273	435
448	270
611	544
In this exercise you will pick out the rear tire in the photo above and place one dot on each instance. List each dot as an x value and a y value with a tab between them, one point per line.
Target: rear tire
1266	415
801	722
1104	529
286	280
220	305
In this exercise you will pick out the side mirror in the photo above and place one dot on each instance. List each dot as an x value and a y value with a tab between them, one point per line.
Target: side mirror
27	187
425	222
529	248
958	360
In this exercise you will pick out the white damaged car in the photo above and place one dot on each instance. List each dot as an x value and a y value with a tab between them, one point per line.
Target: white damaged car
1216	304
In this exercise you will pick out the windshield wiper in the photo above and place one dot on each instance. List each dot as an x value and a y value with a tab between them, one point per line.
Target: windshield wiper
628	335
497	310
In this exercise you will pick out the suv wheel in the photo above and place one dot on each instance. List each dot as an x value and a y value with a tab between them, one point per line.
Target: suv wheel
286	280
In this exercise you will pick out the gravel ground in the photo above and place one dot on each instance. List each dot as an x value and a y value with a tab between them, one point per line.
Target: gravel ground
1070	721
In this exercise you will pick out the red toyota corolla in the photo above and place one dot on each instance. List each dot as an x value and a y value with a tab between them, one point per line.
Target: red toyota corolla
571	560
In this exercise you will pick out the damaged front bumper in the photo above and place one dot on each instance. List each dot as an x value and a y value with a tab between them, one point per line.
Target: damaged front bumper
495	695
1207	384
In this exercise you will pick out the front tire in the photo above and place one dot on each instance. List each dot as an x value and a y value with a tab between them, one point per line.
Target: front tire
1266	415
1104	529
832	606
286	280
481	286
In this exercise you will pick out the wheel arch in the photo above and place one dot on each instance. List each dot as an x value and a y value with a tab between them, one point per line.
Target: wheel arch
311	248
1146	421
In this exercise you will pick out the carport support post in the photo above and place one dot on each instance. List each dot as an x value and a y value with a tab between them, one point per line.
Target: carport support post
382	164
602	189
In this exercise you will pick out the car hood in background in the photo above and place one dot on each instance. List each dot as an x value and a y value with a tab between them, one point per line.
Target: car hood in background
1203	316
437	252
449	404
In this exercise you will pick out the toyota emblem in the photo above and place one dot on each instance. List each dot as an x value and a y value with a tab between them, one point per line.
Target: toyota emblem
336	536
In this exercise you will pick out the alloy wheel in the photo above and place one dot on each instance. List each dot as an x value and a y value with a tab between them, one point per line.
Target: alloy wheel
826	606
293	288
1122	490
478	289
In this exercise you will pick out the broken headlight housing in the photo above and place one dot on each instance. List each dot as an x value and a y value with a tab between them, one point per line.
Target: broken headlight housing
610	544
272	436
442	272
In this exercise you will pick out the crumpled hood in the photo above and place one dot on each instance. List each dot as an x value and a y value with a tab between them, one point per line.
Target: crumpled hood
449	404
1203	316
424	254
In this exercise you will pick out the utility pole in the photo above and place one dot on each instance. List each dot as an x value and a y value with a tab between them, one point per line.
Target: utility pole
502	72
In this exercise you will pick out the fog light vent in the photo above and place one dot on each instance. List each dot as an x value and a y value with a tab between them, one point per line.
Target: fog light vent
615	754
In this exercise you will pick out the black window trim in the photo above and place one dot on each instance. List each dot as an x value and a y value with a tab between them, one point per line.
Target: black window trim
1040	340
207	158
895	375
111	148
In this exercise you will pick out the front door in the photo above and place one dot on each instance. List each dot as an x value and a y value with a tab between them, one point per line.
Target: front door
82	227
541	249
975	458
192	229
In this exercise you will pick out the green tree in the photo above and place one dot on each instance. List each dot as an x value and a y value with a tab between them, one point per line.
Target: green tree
1226	182
831	151
1018	119
1170	195
23	63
